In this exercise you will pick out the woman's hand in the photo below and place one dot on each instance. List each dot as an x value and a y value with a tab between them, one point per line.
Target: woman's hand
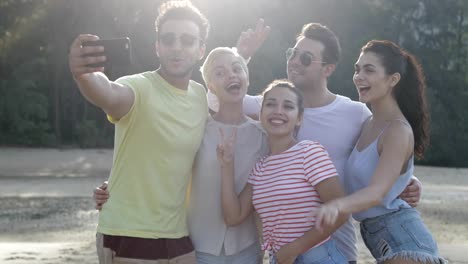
251	40
101	195
225	148
326	215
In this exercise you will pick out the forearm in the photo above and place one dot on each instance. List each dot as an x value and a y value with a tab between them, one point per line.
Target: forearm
96	88
230	200
315	236
361	200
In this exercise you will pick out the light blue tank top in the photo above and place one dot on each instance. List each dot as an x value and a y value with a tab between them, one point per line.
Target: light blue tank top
359	170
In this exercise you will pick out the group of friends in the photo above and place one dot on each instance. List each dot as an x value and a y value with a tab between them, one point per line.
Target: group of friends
196	178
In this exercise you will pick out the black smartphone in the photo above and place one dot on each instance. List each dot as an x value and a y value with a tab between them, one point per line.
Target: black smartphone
117	52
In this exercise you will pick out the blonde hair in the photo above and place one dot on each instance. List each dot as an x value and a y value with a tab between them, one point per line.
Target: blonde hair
216	53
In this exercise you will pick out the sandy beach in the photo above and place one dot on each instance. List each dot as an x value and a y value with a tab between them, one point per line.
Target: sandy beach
47	214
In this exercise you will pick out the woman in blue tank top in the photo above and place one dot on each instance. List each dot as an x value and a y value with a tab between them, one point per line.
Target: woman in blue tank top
391	81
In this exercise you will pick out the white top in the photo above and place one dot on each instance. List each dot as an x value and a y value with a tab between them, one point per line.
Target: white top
252	103
284	192
337	127
207	229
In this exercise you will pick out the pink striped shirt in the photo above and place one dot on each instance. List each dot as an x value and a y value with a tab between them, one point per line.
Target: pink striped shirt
284	193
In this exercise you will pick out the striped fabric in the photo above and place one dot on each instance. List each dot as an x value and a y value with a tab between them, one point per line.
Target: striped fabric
284	193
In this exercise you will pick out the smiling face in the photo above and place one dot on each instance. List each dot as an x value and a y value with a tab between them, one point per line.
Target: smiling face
371	80
280	114
228	78
179	47
308	75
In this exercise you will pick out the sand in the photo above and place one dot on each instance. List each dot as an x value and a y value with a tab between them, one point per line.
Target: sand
47	215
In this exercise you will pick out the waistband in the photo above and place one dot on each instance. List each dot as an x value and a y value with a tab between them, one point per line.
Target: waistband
147	248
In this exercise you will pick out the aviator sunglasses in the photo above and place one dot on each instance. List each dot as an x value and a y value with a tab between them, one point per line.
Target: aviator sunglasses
306	58
186	40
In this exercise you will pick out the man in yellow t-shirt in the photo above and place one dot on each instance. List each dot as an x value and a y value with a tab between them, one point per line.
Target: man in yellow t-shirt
159	122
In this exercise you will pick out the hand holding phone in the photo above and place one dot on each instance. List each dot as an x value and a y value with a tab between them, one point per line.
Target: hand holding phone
79	57
116	51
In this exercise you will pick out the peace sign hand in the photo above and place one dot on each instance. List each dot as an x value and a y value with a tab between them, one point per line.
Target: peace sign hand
251	40
225	148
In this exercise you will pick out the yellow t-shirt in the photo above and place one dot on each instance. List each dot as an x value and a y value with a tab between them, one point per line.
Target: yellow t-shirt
155	145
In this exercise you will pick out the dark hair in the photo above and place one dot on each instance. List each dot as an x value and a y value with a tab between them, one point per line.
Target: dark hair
182	10
286	84
409	91
318	32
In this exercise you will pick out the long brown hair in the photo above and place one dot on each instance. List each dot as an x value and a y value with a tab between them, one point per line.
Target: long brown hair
409	91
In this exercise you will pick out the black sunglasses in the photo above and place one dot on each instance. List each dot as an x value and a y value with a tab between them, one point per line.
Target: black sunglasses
186	40
305	57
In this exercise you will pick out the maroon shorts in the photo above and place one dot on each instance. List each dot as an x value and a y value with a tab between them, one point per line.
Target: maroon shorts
121	248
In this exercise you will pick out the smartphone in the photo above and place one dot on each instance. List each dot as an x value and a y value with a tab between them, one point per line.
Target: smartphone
117	52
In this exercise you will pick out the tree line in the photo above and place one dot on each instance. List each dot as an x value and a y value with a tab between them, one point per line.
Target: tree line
40	105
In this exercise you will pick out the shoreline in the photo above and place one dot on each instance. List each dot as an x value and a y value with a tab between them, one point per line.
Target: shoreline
47	214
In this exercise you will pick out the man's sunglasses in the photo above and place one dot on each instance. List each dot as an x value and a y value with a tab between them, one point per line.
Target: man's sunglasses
186	40
306	58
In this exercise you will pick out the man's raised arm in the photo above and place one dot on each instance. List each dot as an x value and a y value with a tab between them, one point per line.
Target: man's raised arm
115	99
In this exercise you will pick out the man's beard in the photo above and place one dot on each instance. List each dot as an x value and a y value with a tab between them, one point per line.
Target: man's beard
299	85
304	85
182	74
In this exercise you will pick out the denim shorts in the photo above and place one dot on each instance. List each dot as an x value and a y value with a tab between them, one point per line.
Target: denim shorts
327	253
251	255
400	234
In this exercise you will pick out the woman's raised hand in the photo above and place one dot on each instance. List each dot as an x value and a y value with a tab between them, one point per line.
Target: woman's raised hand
225	148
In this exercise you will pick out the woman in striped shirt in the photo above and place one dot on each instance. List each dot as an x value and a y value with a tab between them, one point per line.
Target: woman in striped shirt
283	187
